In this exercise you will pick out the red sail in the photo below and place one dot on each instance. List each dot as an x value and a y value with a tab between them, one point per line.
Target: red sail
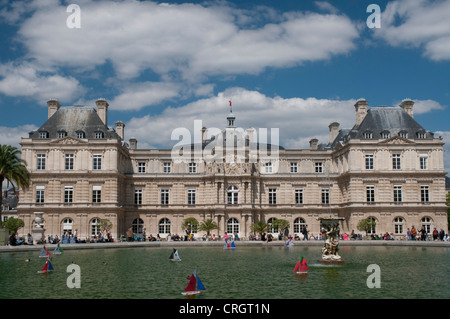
45	267
297	266
304	265
192	284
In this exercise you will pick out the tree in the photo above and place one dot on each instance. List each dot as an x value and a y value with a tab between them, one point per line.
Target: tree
281	224
104	224
190	224
260	227
366	225
12	169
13	224
208	225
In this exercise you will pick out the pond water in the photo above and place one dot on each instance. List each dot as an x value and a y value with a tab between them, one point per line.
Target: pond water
242	273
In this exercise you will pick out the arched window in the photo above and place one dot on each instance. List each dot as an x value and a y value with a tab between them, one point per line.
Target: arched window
138	225
67	225
164	226
232	195
426	223
398	225
95	227
299	225
272	229
373	228
233	226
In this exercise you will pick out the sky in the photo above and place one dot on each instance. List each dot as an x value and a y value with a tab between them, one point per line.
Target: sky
288	64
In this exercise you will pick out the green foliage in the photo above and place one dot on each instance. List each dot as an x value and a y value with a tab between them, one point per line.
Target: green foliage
190	224
260	227
13	224
208	225
104	224
12	169
281	224
366	225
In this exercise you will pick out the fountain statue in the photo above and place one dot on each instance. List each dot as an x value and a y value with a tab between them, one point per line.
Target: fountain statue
330	250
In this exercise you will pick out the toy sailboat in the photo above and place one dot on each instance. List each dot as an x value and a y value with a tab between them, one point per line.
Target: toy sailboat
47	267
44	252
230	244
58	250
289	243
195	286
174	256
302	266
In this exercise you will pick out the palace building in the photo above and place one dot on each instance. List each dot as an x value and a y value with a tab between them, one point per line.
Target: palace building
387	167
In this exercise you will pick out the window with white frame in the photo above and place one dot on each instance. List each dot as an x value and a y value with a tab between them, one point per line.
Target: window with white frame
167	167
62	134
369	161
299	225
423	162
270	227
232	195
318	167
370	194
325	196
272	196
141	167
164	226
68	194
298	196
69	162
40	164
43	134
397	193
232	226
191	196
96	194
424	193
192	167
269	167
99	134
426	223
398	225
95	227
294	167
396	161
138	196
164	197
97	162
40	194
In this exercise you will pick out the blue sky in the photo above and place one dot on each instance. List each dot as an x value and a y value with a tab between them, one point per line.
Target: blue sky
295	65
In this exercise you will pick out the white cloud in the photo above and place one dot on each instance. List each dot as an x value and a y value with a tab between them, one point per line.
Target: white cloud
425	106
424	24
40	85
191	40
12	135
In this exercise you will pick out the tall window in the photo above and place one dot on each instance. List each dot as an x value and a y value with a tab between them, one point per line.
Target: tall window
325	196
69	162
269	167
164	197
270	228
191	196
370	194
373	227
96	194
167	167
141	167
138	196
164	226
40	165
67	225
424	193
137	225
95	227
369	161
68	194
232	226
40	194
397	194
294	167
299	196
318	167
232	195
97	162
426	223
192	167
396	162
423	162
299	225
272	196
398	225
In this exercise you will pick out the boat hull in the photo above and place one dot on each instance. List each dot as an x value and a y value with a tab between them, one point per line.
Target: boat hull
190	293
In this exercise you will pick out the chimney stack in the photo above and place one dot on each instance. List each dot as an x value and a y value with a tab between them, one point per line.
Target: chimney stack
407	105
120	129
204	129
334	131
53	107
102	110
361	110
313	144
133	143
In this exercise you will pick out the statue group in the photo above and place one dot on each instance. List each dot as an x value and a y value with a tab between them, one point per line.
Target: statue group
330	250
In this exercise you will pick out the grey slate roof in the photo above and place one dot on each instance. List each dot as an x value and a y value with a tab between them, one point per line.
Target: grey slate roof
75	119
392	120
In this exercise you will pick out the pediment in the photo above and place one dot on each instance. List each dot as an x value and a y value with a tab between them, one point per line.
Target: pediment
68	140
397	140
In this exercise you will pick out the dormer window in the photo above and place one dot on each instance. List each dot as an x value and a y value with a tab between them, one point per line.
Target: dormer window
367	134
80	134
99	134
62	134
420	134
43	134
385	134
403	134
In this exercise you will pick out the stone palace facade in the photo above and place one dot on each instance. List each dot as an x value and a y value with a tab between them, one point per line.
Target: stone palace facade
387	167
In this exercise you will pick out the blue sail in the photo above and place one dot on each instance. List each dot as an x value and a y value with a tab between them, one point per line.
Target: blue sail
200	284
50	266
